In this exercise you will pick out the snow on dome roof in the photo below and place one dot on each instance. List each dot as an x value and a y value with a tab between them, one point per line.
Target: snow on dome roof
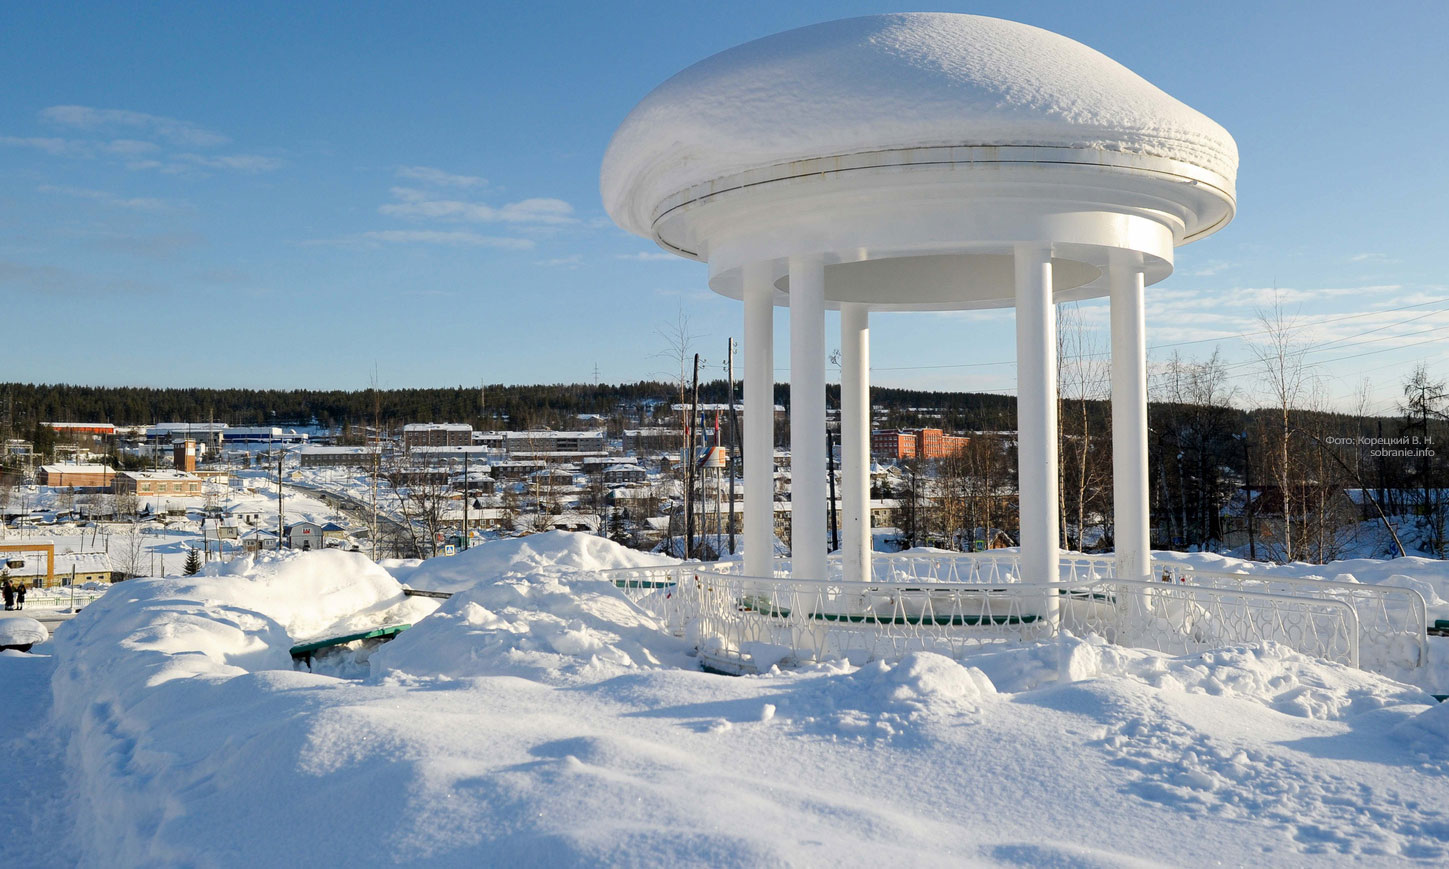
888	82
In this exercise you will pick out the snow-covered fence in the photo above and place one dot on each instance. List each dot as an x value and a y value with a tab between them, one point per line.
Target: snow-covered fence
741	623
1183	618
951	602
655	589
1392	621
969	567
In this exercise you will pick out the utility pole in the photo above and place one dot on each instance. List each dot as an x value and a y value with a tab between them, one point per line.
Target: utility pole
834	519
467	493
377	450
281	522
1248	504
689	473
734	441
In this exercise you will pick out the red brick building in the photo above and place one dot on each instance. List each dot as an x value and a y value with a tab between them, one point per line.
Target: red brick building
924	443
81	476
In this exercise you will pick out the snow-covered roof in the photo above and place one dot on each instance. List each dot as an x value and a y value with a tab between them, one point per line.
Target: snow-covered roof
890	82
159	475
77	469
83	562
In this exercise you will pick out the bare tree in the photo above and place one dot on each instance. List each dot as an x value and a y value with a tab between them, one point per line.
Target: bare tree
126	504
1286	376
1084	377
129	555
678	353
910	495
7	486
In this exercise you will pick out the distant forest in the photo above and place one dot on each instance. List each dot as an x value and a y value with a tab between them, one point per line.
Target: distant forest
493	406
1204	453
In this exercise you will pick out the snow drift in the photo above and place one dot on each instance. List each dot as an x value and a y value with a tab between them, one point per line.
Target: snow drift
539	718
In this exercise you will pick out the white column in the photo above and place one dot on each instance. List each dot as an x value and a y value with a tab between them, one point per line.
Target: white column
807	416
1036	414
855	440
1129	417
759	420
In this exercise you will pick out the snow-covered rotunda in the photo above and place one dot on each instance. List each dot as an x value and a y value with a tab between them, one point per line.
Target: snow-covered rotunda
923	162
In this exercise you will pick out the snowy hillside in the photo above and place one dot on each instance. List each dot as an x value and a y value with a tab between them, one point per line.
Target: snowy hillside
539	718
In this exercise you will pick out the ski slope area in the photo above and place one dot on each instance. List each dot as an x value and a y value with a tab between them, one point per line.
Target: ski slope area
539	718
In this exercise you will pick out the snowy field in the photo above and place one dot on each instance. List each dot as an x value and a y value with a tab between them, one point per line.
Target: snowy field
539	718
160	548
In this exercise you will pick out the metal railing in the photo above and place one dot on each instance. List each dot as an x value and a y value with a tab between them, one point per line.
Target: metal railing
992	567
1393	621
737	621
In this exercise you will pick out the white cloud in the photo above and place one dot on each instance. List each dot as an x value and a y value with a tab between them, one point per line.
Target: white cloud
571	261
407	236
52	146
138	203
429	175
545	211
1207	269
130	147
420	204
648	256
58	281
1373	258
239	162
175	131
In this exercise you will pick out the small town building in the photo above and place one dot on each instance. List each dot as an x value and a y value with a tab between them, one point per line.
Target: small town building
433	434
70	567
337	457
333	535
921	443
259	540
305	536
246	514
145	483
263	434
78	476
77	432
624	473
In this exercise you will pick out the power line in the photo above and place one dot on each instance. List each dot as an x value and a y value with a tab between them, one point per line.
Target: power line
1172	344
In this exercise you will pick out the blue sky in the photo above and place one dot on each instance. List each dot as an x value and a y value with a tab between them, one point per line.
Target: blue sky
291	194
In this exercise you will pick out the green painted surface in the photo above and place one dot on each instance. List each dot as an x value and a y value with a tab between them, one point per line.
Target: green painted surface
317	645
872	619
644	583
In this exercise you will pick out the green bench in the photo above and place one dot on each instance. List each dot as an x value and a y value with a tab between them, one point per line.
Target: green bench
305	651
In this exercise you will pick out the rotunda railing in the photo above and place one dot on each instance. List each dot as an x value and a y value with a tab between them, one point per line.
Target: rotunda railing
920	601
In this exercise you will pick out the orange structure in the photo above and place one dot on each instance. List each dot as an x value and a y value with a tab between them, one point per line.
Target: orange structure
924	443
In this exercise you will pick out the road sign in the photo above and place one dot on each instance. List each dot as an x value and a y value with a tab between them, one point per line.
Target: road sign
450	549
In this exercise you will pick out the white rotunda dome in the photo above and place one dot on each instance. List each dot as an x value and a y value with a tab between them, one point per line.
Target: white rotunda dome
891	82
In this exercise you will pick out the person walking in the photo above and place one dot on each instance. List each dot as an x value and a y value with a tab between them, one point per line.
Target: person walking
20	595
9	592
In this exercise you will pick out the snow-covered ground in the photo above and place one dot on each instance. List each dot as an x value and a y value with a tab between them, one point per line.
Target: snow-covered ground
539	718
160	548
